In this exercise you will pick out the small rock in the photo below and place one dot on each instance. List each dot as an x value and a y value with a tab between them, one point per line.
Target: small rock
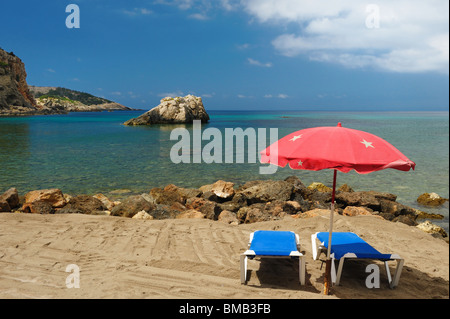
143	215
220	188
105	200
131	206
11	196
191	213
4	207
320	187
431	199
228	217
356	211
345	188
83	204
38	207
431	228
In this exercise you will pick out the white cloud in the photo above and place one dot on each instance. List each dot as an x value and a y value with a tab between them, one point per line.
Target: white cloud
257	63
411	35
51	71
280	96
137	12
171	94
199	16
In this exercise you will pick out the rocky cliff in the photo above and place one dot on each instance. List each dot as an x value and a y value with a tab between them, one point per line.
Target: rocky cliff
173	111
15	96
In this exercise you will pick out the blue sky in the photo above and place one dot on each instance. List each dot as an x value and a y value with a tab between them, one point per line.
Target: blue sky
239	54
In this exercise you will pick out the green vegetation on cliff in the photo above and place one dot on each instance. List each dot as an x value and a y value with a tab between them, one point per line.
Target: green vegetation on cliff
66	94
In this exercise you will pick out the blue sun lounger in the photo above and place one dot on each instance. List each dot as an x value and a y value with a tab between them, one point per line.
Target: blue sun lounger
346	245
273	244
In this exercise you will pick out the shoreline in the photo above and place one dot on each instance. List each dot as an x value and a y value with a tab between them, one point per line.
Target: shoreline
180	243
60	112
253	201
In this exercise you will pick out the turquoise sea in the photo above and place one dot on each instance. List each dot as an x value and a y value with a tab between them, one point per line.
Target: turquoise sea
88	153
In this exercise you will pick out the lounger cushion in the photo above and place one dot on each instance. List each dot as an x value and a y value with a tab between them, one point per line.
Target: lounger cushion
273	243
346	242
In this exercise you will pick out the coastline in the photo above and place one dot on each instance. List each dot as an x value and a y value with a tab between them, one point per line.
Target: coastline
253	201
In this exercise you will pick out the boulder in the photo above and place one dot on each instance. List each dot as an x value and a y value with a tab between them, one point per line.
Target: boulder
405	219
38	207
228	217
132	205
191	214
172	111
221	189
164	212
4	207
11	196
315	212
53	196
292	207
230	206
265	191
275	208
431	199
249	215
210	209
295	181
143	215
397	209
83	204
382	195
355	211
320	187
168	195
345	188
105	200
431	228
366	199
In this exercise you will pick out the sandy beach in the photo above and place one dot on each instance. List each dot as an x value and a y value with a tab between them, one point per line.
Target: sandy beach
199	259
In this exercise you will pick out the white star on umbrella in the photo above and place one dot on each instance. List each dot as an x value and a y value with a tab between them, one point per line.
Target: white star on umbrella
300	163
367	144
295	138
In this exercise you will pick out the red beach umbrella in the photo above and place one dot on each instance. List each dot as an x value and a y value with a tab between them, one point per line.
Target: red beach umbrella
338	148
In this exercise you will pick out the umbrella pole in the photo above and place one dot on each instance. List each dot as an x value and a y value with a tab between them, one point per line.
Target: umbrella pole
327	282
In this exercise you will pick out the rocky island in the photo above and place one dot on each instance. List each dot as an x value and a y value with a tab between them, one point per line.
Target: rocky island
174	111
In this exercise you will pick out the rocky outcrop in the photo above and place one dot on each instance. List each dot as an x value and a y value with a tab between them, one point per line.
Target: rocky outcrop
15	96
57	99
173	111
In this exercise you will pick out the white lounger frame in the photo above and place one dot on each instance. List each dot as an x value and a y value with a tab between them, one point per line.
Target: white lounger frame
336	277
293	255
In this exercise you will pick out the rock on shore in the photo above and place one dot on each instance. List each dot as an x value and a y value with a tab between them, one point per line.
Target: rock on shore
174	111
254	201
